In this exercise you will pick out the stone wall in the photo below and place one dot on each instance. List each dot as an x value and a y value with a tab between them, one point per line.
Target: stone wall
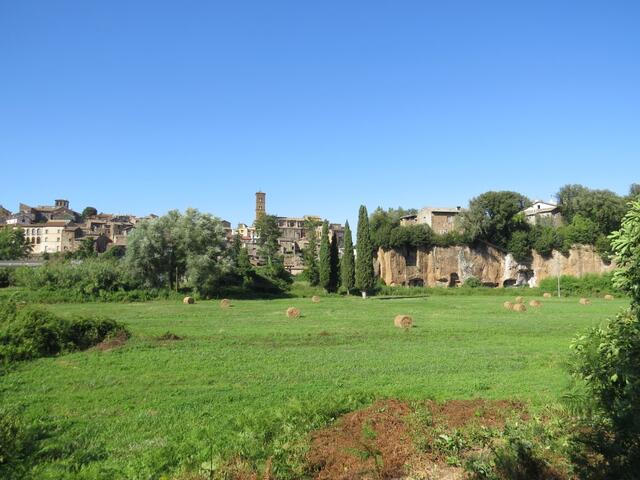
451	266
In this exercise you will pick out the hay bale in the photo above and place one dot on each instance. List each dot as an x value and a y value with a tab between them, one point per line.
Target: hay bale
225	303
585	301
519	307
293	312
546	295
508	305
534	303
188	300
403	321
315	299
608	297
519	299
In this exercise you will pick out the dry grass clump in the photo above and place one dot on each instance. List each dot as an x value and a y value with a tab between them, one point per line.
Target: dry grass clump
608	297
293	312
188	300
534	303
403	321
508	305
585	301
225	303
546	295
519	299
315	299
519	307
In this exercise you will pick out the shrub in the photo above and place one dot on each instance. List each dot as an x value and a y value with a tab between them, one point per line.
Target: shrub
472	282
6	277
519	246
590	284
607	362
29	332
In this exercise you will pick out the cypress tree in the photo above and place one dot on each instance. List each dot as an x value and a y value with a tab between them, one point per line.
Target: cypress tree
347	264
364	254
334	263
310	256
325	258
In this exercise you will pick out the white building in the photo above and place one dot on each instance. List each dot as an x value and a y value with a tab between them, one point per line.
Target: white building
539	210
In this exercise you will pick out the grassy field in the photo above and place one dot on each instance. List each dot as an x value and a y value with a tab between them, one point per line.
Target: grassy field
241	377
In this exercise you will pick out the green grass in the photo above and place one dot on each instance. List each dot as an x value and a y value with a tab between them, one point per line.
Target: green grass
151	407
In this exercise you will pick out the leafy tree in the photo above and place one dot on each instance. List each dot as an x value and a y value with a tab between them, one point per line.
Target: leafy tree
603	207
334	263
310	254
325	257
365	279
89	212
13	245
86	249
581	231
347	264
190	246
626	246
545	239
268	234
607	362
519	245
634	191
494	216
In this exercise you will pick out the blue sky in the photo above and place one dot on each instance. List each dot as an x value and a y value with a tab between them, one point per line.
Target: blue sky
146	106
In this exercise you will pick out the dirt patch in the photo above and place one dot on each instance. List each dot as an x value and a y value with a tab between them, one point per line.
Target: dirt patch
118	340
169	337
395	440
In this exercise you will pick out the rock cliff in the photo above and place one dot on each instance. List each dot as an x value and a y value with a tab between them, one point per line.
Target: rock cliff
451	266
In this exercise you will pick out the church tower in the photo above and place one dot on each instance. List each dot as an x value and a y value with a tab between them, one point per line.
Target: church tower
261	204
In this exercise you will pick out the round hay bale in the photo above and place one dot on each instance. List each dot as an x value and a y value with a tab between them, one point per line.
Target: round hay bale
508	305
546	295
403	321
225	303
315	299
519	307
534	303
608	297
519	299
188	300
293	312
585	301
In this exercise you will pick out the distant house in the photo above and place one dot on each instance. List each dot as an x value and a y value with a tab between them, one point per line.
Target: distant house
4	214
441	220
46	213
21	218
542	210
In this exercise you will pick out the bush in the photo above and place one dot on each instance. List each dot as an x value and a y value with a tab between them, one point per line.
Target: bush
472	282
18	441
29	332
6	277
590	284
607	363
519	246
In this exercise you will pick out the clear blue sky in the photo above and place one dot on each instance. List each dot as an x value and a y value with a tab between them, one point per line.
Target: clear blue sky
144	106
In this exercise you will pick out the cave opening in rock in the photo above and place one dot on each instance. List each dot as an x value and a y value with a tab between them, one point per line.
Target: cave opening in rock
416	282
454	280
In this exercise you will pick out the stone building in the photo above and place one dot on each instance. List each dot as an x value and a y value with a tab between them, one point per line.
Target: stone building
543	211
441	220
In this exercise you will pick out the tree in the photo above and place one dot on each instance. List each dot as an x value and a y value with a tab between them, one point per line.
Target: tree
89	212
519	246
603	207
494	216
268	234
365	279
347	264
310	253
192	247
325	257
86	249
625	244
607	363
334	263
634	191
13	245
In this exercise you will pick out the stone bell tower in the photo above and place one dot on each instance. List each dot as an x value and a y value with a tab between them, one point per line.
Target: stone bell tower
261	204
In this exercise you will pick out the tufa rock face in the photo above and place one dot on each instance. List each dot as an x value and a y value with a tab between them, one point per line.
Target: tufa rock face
451	266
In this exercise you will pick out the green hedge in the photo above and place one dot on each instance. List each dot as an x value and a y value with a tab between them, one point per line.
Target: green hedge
590	284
